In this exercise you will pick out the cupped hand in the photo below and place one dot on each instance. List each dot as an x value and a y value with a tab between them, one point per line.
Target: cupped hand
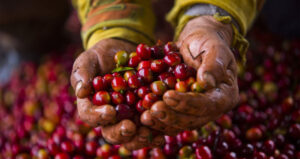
205	45
94	61
99	60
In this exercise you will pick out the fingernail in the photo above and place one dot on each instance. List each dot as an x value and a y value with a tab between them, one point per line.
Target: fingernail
171	102
211	82
78	87
126	133
148	122
160	115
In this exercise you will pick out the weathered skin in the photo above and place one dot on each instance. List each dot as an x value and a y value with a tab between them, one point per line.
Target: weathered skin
94	61
205	45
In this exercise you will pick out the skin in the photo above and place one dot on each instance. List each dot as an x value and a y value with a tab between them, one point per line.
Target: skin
205	45
99	60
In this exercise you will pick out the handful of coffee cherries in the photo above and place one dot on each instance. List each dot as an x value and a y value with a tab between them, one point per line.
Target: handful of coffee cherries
142	77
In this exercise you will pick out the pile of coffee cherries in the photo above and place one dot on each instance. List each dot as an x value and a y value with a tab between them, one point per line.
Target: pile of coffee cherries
39	119
142	77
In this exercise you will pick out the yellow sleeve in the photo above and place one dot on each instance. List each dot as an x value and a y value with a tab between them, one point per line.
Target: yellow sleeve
243	11
131	20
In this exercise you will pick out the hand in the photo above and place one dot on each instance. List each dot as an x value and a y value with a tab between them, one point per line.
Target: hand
99	60
94	61
205	45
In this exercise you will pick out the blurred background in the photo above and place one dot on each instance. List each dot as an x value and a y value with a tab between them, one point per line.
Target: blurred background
39	41
28	28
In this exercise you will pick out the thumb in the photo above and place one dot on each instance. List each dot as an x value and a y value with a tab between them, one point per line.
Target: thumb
84	70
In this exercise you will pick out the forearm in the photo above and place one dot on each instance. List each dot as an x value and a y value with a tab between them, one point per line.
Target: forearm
240	14
128	20
243	12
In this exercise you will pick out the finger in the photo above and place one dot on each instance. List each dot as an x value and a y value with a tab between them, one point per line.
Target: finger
209	55
95	115
189	103
152	122
212	102
140	140
84	70
213	69
176	119
144	138
119	133
158	141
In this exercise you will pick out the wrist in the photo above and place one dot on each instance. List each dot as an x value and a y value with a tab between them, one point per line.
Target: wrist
208	23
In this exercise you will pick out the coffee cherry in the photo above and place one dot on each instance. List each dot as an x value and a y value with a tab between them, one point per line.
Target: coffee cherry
260	155
164	75
269	147
158	66
156	52
230	155
181	71
172	59
139	106
222	148
62	156
294	131
90	148
104	151
131	99
142	91
98	83
146	75
107	80
101	98
115	157
169	47
117	98
195	87
158	87
52	147
124	152
157	153
134	61
188	136
121	58
118	84
116	74
185	151
253	134
78	157
190	81
128	74
170	149
171	70
191	72
124	112
247	150
149	100
181	86
132	54
134	82
143	51
67	146
296	116
170	82
144	64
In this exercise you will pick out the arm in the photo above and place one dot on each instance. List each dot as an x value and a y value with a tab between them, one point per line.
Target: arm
107	27
206	32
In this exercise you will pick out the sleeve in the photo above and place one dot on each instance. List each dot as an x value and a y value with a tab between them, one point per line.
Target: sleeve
241	14
130	20
243	11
